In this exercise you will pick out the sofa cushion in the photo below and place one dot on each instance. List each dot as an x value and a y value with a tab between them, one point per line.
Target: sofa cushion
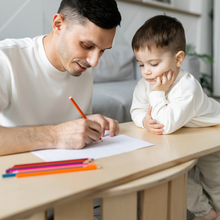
116	64
113	99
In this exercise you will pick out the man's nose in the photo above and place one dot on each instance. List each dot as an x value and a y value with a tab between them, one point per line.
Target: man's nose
93	58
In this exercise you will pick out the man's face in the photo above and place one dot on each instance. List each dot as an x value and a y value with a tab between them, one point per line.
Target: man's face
155	62
80	47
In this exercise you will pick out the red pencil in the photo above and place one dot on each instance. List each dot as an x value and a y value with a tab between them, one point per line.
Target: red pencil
80	111
85	160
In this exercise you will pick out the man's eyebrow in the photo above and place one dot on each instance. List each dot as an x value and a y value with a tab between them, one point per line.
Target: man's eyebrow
91	42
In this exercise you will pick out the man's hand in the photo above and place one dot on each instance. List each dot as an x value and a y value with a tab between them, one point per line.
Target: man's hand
150	124
106	124
79	133
164	82
76	134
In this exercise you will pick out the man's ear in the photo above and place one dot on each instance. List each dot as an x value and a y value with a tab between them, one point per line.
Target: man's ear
179	58
58	23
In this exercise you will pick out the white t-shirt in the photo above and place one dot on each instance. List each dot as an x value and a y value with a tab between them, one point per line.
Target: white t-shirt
33	91
184	104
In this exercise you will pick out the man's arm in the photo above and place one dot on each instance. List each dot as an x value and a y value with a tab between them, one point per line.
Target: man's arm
22	139
69	135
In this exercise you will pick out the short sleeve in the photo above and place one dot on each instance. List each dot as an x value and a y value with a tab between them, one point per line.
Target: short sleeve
5	85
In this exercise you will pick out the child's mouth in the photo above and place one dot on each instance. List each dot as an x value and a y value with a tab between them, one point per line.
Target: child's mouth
150	79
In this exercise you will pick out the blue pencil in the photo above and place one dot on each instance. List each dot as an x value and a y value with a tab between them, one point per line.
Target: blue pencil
9	175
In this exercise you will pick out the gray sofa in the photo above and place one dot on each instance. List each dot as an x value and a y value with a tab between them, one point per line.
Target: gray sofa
115	78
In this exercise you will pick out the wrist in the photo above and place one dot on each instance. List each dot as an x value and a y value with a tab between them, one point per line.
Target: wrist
44	136
56	131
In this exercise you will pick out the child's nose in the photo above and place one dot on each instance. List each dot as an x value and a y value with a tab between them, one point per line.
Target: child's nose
148	71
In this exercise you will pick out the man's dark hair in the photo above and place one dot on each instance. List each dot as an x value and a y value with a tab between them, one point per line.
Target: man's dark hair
160	31
103	13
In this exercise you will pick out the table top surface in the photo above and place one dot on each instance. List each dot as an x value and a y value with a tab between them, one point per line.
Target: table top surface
23	196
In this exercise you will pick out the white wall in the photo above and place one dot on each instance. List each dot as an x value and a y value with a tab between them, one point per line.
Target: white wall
26	18
205	35
29	18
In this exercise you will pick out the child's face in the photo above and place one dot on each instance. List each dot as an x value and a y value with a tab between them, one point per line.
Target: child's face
155	62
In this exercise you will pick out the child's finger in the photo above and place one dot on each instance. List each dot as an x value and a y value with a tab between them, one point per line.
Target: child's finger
158	83
157	131
164	79
149	111
152	121
173	77
169	75
156	126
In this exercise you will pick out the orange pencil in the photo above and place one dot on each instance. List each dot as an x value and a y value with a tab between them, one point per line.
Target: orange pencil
80	111
87	167
77	107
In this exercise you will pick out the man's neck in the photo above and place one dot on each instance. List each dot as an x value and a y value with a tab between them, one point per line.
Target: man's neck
49	44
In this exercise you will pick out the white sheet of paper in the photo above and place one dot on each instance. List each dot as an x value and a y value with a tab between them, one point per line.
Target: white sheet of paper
110	146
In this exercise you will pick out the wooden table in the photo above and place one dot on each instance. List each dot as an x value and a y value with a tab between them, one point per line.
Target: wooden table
23	197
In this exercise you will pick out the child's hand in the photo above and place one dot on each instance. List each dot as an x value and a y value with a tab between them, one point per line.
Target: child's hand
164	82
150	124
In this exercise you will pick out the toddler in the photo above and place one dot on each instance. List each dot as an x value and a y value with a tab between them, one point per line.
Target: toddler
167	98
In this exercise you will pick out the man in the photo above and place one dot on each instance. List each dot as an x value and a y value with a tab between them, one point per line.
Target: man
38	75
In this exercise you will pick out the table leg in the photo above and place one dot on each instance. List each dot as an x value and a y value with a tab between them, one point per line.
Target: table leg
120	207
166	201
154	203
177	198
77	210
38	216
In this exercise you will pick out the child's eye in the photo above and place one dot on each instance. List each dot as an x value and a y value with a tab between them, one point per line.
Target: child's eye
154	64
141	65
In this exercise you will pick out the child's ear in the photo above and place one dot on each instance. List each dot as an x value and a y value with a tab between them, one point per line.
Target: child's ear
179	58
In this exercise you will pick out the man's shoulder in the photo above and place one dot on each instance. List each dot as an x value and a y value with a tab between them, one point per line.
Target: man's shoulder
14	48
21	43
12	43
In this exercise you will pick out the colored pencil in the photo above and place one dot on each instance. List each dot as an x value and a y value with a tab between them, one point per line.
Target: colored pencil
80	111
8	175
86	160
26	169
46	165
77	107
54	171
